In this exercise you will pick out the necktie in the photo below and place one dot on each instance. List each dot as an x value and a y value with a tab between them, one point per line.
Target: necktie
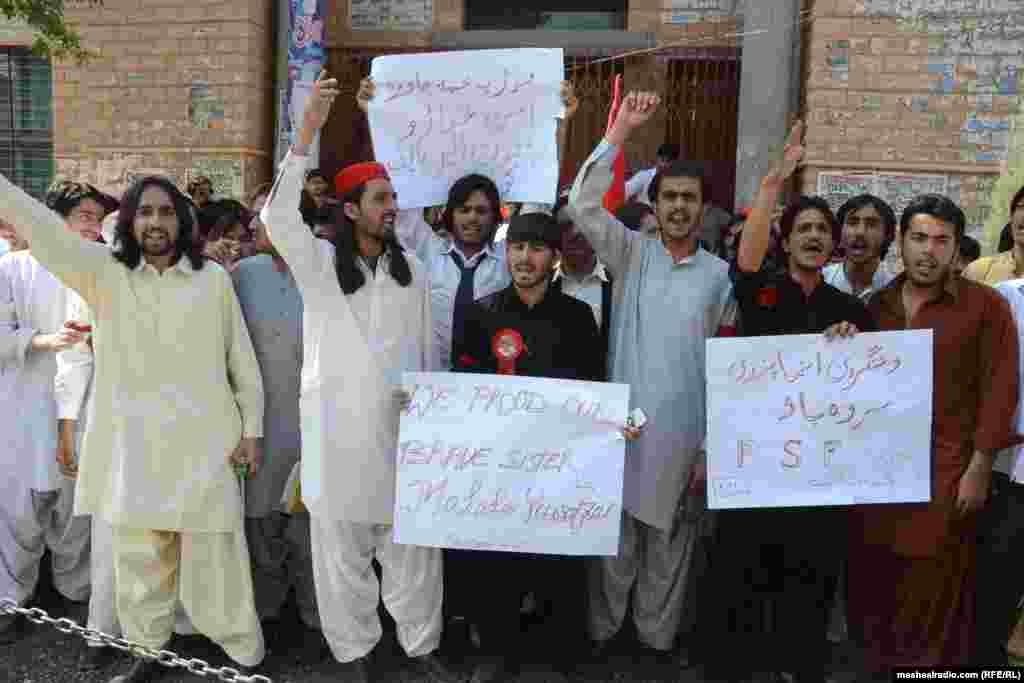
463	295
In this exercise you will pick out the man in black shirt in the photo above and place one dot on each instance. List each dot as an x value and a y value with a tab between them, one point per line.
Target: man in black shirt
532	329
774	570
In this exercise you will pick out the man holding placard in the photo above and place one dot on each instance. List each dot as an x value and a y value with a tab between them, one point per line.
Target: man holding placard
366	314
772	561
669	297
912	567
535	330
469	264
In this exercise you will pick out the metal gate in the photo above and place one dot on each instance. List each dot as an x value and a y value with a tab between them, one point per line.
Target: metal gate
701	104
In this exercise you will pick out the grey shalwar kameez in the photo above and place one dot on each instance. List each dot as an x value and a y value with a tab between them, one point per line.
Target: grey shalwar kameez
663	311
279	544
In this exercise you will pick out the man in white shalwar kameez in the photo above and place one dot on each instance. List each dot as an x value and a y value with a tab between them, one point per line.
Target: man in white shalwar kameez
36	501
366	318
670	295
177	400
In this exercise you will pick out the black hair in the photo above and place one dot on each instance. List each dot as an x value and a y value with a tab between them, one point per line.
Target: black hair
970	250
196	182
669	151
632	215
1005	239
936	206
459	194
1017	199
260	190
127	249
64	196
217	217
346	250
884	211
680	169
802	203
319	215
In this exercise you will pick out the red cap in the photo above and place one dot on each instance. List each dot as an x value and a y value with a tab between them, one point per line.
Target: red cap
351	177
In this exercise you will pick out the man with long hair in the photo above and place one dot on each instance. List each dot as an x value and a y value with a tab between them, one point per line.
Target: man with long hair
468	264
178	400
37	503
366	313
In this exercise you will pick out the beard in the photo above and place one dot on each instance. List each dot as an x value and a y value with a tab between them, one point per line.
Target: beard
528	279
156	243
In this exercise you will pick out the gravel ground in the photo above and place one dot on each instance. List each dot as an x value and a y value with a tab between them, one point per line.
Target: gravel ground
44	655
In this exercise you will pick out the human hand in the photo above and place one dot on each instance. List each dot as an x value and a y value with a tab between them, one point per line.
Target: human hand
248	453
56	342
844	330
569	99
66	449
972	490
404	399
367	91
318	106
792	156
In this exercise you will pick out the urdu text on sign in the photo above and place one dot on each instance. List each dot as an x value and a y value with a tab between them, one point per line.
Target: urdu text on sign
800	421
518	464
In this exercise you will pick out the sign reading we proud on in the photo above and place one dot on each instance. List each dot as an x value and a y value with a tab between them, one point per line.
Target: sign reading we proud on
520	464
795	420
438	117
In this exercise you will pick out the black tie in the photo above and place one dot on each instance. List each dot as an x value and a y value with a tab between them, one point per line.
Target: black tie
463	295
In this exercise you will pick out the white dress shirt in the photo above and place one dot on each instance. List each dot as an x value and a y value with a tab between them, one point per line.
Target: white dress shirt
835	275
1009	461
587	289
435	252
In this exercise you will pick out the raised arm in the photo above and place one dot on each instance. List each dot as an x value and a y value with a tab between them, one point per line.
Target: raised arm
612	240
75	262
757	230
304	253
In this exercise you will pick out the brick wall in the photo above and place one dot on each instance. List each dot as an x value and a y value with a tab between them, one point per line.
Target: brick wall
179	87
923	87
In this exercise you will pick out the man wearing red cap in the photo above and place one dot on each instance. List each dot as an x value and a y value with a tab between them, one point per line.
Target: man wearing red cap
366	313
471	264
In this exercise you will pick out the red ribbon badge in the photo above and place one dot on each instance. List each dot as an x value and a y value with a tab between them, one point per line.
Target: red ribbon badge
767	297
507	346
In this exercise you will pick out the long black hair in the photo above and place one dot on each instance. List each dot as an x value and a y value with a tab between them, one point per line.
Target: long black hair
459	194
346	250
127	249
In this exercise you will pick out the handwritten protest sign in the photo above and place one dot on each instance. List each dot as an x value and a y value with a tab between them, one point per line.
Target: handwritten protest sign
796	420
438	117
519	464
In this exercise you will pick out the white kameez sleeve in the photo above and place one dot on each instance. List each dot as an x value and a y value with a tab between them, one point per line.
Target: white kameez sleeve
74	261
74	366
611	240
414	234
300	248
243	368
14	338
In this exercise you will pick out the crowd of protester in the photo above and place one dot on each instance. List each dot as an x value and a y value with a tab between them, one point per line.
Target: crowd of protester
156	347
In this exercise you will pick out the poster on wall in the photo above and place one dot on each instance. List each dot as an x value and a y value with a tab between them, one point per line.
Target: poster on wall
391	15
694	11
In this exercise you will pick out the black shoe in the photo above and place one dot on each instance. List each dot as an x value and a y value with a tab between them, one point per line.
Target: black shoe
356	671
491	670
96	658
434	668
142	671
12	629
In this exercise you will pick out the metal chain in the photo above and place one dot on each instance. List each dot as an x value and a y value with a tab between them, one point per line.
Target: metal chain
164	657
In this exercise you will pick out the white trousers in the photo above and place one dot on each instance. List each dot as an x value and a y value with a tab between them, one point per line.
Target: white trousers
348	592
208	572
103	600
656	564
25	534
